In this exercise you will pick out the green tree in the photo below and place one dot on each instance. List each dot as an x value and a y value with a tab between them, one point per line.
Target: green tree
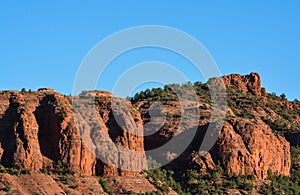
23	90
283	96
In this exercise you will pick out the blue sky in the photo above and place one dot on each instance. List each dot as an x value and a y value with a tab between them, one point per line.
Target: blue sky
43	43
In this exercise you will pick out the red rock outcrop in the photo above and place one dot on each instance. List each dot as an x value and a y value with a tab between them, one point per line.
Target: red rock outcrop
39	128
97	133
246	83
247	148
203	163
246	144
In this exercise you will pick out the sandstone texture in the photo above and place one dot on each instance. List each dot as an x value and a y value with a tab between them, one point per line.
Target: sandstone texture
245	83
247	148
37	129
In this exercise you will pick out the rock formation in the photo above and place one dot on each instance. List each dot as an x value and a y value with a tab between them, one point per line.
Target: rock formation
247	148
244	146
39	128
247	84
97	133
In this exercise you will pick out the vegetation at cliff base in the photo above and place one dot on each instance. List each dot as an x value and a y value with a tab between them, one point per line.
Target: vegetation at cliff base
190	182
219	182
105	186
282	184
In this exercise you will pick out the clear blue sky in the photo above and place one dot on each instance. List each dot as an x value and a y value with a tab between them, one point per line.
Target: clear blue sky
43	43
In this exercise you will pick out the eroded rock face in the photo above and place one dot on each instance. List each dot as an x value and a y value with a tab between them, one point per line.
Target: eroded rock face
39	128
203	163
247	148
246	83
246	145
18	131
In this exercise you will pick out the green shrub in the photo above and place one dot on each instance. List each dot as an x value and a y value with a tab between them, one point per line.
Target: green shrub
61	169
23	90
152	163
283	184
105	186
26	171
46	171
74	186
247	186
7	188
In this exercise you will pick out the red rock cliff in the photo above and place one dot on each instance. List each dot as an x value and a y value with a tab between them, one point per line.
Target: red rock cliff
247	148
38	128
245	83
246	144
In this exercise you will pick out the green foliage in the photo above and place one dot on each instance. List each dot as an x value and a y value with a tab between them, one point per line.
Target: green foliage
273	95
242	104
247	186
17	170
20	110
277	125
283	96
105	186
202	90
152	163
156	94
295	157
280	185
163	180
26	103
67	179
62	170
283	184
244	114
7	188
285	112
240	100
46	171
173	92
10	170
26	171
23	90
63	111
191	182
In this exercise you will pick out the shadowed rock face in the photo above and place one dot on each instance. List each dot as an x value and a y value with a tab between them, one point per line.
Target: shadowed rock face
243	147
37	129
293	138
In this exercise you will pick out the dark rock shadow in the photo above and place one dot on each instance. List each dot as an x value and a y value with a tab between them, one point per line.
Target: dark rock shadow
7	136
49	133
